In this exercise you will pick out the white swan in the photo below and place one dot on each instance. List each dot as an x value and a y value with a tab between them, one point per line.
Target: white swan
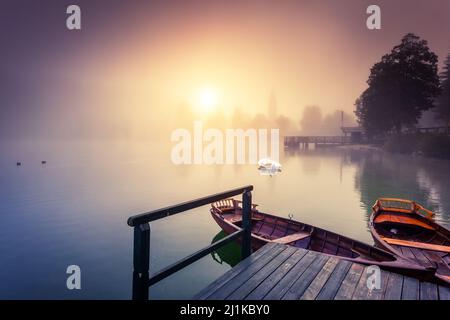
268	166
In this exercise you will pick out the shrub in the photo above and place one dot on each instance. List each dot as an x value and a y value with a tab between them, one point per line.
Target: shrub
403	144
436	146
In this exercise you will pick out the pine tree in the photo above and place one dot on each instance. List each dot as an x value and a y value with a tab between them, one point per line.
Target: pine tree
443	102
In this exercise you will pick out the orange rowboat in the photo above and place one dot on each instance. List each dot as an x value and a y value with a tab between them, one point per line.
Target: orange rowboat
407	229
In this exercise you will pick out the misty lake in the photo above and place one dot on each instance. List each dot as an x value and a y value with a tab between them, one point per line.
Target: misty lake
73	210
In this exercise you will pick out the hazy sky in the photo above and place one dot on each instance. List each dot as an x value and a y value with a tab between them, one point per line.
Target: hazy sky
134	62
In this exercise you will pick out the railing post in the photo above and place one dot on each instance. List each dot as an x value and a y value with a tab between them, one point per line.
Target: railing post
141	261
246	224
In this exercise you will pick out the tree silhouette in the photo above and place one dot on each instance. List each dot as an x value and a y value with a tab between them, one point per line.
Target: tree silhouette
311	120
401	86
443	103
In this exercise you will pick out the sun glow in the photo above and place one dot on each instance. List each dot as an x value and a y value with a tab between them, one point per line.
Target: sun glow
207	99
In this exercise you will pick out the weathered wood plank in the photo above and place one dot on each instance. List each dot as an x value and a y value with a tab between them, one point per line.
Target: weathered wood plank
422	258
410	255
367	293
394	287
283	286
243	276
331	287
303	282
407	253
428	291
292	237
420	246
241	266
277	271
377	294
444	293
316	285
350	282
410	289
361	290
434	257
276	276
249	285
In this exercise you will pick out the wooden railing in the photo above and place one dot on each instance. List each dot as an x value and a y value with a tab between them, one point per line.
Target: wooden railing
435	130
141	245
295	140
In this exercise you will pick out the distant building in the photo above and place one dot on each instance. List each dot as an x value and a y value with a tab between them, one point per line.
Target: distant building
356	134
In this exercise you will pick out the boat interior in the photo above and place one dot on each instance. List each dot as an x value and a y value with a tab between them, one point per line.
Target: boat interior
286	231
415	240
403	227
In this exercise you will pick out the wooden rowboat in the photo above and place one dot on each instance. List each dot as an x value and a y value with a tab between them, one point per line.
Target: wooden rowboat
407	229
269	228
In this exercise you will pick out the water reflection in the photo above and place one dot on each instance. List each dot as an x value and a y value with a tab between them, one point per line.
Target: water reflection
380	174
229	254
73	210
423	180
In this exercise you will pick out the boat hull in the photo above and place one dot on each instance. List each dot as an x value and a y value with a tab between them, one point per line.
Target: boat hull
412	237
229	228
269	228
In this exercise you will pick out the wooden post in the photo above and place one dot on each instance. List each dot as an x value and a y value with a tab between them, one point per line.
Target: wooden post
246	224
141	261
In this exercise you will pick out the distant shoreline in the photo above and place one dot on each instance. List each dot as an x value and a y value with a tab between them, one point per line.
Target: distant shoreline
361	147
411	151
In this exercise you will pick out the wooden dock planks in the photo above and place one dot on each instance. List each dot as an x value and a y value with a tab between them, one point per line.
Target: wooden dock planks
351	280
280	272
331	287
280	289
245	289
275	277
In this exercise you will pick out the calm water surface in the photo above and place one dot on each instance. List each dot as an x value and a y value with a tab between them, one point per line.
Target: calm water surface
73	210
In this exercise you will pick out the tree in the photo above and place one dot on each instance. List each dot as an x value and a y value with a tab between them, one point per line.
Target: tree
311	121
443	102
401	86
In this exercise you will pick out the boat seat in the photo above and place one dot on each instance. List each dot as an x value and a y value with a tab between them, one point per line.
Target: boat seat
235	219
402	220
238	218
419	245
292	237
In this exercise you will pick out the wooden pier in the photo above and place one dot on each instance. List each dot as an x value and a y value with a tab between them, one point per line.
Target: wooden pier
305	141
352	135
280	272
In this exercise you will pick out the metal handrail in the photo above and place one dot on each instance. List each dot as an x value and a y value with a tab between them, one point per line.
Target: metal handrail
141	242
188	205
